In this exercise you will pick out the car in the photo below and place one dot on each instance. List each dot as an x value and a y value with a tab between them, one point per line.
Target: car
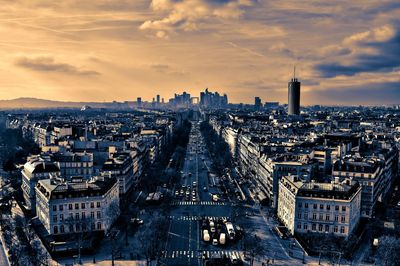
177	193
183	186
215	242
194	192
137	221
194	198
204	189
187	192
194	183
182	192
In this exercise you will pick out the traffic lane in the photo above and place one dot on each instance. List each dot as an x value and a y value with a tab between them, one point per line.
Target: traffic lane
178	236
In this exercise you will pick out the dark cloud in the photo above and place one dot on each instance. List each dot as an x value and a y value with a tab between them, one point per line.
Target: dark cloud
48	64
159	67
373	94
385	59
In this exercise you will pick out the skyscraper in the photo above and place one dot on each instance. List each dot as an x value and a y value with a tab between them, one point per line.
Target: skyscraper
158	98
294	95
257	102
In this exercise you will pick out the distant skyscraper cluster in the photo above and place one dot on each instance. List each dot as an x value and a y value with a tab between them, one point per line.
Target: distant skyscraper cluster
209	99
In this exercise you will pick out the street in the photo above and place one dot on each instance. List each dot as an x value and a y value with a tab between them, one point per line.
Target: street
184	245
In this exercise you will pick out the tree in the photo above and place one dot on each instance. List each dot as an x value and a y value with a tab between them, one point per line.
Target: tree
388	252
253	247
83	227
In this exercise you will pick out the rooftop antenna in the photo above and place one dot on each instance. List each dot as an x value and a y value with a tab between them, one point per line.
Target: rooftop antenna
294	72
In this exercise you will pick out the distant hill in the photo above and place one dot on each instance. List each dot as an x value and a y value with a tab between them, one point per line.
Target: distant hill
34	103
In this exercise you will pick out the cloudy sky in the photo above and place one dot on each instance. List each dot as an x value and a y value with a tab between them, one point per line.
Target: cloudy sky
345	52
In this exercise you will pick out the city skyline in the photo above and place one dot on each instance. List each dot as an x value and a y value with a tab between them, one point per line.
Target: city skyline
121	50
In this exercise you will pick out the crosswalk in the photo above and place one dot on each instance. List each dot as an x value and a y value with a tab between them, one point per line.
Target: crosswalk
197	218
181	254
202	203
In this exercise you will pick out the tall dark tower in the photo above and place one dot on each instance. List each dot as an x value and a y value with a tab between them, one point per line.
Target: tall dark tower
294	95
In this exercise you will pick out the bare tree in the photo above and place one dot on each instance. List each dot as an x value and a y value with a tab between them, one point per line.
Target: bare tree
388	252
83	228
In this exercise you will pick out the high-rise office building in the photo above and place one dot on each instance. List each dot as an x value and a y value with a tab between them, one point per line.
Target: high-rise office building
210	99
294	96
139	101
257	102
158	98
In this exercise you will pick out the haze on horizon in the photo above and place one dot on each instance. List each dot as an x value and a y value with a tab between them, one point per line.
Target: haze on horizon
346	52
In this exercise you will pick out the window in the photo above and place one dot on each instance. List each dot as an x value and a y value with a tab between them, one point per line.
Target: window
62	229
98	226
83	227
305	216
335	229
328	207
343	208
300	205
77	216
76	206
70	206
55	229
342	229
71	228
299	215
93	226
320	227
78	227
92	215
321	217
336	208
54	218
315	206
61	217
336	218
83	215
321	206
327	217
98	204
305	226
299	226
314	216
83	205
54	208
92	205
305	205
61	207
314	227
98	215
343	219
326	228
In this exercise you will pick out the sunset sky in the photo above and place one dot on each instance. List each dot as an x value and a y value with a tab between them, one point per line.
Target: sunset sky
345	52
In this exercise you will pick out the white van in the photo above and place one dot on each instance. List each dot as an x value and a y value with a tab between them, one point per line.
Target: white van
222	238
206	235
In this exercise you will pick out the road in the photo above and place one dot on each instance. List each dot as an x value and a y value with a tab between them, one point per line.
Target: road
184	245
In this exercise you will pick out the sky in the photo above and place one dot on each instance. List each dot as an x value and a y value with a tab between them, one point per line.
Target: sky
345	52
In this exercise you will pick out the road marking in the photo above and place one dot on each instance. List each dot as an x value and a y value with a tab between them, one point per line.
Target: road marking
208	203
189	254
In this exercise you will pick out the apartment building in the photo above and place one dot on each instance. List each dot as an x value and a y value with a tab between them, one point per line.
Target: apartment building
65	207
323	208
